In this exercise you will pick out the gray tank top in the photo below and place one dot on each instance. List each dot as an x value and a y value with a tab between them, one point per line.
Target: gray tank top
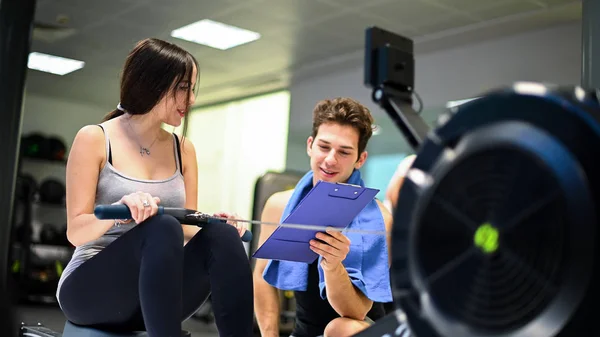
112	185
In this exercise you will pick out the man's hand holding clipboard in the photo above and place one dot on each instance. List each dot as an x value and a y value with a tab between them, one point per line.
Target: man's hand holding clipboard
333	246
327	204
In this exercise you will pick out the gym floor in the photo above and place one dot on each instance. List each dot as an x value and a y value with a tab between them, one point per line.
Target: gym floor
52	318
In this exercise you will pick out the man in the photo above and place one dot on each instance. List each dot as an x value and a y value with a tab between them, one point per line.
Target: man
342	292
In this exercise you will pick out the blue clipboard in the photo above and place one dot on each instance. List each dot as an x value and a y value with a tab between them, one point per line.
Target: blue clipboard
326	204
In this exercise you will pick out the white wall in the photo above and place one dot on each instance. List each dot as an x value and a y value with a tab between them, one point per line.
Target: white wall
297	158
552	55
53	117
232	153
58	117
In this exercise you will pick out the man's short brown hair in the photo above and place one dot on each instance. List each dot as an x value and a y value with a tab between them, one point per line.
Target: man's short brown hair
345	111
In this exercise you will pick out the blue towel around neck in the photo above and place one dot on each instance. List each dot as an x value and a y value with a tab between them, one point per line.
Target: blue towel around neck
366	263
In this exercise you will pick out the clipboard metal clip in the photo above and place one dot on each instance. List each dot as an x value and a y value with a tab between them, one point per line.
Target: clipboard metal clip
346	184
347	191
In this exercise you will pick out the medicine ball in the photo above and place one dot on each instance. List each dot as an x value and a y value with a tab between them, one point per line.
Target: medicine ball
52	191
56	148
50	235
35	145
26	186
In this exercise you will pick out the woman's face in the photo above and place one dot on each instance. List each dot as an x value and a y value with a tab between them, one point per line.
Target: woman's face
172	108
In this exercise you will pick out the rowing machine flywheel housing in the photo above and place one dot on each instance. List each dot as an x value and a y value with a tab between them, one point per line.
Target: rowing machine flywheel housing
495	231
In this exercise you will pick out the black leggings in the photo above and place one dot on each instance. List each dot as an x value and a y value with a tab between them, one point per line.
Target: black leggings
147	280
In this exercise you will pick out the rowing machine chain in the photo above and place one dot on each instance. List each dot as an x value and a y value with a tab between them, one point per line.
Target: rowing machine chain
202	217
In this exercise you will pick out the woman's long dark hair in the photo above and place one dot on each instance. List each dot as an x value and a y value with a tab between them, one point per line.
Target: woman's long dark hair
152	69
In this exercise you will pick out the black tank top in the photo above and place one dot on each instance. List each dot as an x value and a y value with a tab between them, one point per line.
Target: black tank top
313	313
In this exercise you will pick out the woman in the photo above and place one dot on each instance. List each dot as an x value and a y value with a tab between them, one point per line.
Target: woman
138	274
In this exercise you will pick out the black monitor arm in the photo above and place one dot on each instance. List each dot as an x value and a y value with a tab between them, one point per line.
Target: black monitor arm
390	70
398	105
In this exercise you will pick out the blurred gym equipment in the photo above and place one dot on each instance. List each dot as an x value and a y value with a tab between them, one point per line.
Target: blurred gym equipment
39	146
267	185
495	229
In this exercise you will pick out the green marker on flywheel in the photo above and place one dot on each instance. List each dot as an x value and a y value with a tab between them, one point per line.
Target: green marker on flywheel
486	238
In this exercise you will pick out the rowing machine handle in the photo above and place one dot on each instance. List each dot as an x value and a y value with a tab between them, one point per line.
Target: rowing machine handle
114	212
110	212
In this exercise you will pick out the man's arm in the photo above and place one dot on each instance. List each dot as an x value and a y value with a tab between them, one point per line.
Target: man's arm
347	300
266	297
344	297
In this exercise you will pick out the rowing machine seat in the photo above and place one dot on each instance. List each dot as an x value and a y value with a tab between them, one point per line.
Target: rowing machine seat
73	330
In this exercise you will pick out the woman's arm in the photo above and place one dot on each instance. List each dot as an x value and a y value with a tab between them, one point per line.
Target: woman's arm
83	167
190	176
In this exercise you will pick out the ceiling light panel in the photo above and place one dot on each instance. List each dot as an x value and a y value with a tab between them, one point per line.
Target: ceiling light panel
215	34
